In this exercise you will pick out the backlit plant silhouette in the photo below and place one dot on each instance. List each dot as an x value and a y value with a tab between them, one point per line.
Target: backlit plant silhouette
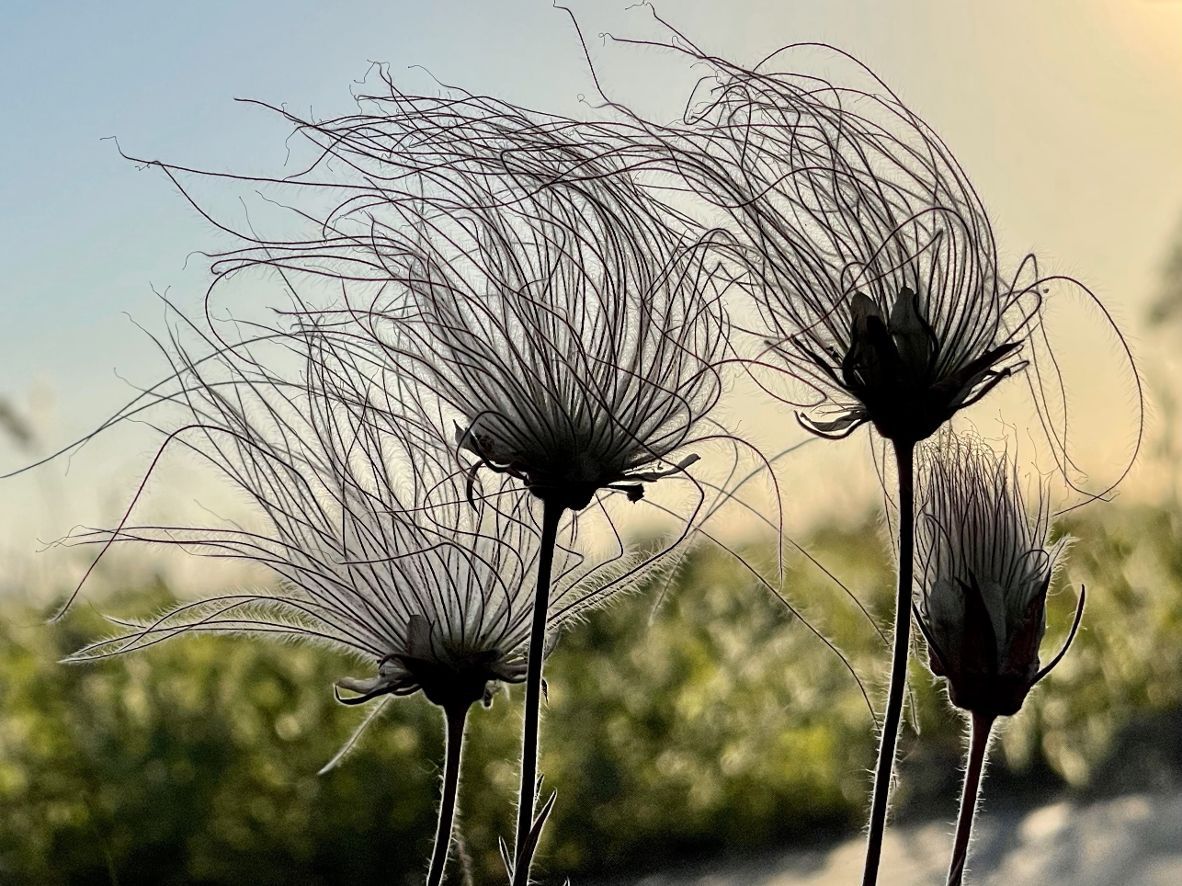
985	570
873	266
377	546
574	342
569	335
495	320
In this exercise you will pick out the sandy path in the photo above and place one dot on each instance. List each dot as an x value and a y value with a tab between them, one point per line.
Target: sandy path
1134	840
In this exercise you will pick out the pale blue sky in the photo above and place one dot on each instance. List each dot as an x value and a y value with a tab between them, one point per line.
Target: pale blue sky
1067	114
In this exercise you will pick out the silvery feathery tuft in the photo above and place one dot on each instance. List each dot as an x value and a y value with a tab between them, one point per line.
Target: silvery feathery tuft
572	329
869	255
985	569
377	548
572	369
375	545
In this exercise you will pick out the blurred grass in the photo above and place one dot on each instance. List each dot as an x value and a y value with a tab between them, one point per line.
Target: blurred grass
715	722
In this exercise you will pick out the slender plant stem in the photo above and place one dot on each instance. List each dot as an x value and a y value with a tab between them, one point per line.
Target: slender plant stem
454	717
551	515
978	743
905	461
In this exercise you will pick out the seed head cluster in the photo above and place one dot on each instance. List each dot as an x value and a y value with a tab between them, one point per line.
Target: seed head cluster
486	307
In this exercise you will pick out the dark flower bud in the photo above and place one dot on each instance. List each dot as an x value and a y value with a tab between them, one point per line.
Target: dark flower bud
984	570
891	369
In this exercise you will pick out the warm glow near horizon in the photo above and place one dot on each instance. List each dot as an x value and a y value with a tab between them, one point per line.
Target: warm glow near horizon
1068	117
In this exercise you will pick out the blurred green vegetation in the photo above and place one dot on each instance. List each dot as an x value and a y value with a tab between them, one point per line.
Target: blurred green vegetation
712	722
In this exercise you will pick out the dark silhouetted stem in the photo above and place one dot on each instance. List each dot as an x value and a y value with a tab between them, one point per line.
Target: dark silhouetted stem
551	515
905	460
978	744
454	718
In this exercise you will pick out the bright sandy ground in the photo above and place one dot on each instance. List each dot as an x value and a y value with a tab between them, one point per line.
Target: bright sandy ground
1132	841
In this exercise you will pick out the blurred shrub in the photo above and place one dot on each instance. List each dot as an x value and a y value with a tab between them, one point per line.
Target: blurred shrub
696	718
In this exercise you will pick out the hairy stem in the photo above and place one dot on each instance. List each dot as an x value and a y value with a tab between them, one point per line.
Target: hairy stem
522	859
454	717
978	744
904	459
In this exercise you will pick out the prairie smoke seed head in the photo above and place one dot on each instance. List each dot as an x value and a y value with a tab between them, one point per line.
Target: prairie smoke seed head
867	252
358	514
984	572
573	333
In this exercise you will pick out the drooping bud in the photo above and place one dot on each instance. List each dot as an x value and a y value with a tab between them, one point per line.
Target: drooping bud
985	568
